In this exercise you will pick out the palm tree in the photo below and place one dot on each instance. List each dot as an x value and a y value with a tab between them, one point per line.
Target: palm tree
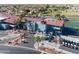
37	38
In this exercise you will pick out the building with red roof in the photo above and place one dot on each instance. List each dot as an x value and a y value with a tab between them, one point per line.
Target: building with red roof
11	19
34	19
8	18
47	25
53	22
56	22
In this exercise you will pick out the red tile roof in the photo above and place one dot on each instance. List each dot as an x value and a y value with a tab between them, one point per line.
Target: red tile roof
34	19
4	16
54	22
11	19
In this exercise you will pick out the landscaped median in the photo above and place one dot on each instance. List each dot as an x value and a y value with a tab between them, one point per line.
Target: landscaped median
50	48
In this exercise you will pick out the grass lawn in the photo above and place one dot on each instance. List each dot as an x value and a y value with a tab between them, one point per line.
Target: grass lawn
73	22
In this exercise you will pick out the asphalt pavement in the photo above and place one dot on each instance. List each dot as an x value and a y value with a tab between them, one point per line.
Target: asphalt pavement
70	49
30	41
22	48
5	49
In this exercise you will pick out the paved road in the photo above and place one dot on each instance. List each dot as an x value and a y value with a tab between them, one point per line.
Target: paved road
30	41
4	49
70	50
3	33
18	50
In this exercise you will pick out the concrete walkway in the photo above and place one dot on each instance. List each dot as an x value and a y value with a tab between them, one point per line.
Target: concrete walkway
54	46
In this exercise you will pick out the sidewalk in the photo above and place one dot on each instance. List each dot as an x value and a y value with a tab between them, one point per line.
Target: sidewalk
52	46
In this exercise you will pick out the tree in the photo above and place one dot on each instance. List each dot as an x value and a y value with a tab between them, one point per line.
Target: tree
21	16
37	38
58	16
57	11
